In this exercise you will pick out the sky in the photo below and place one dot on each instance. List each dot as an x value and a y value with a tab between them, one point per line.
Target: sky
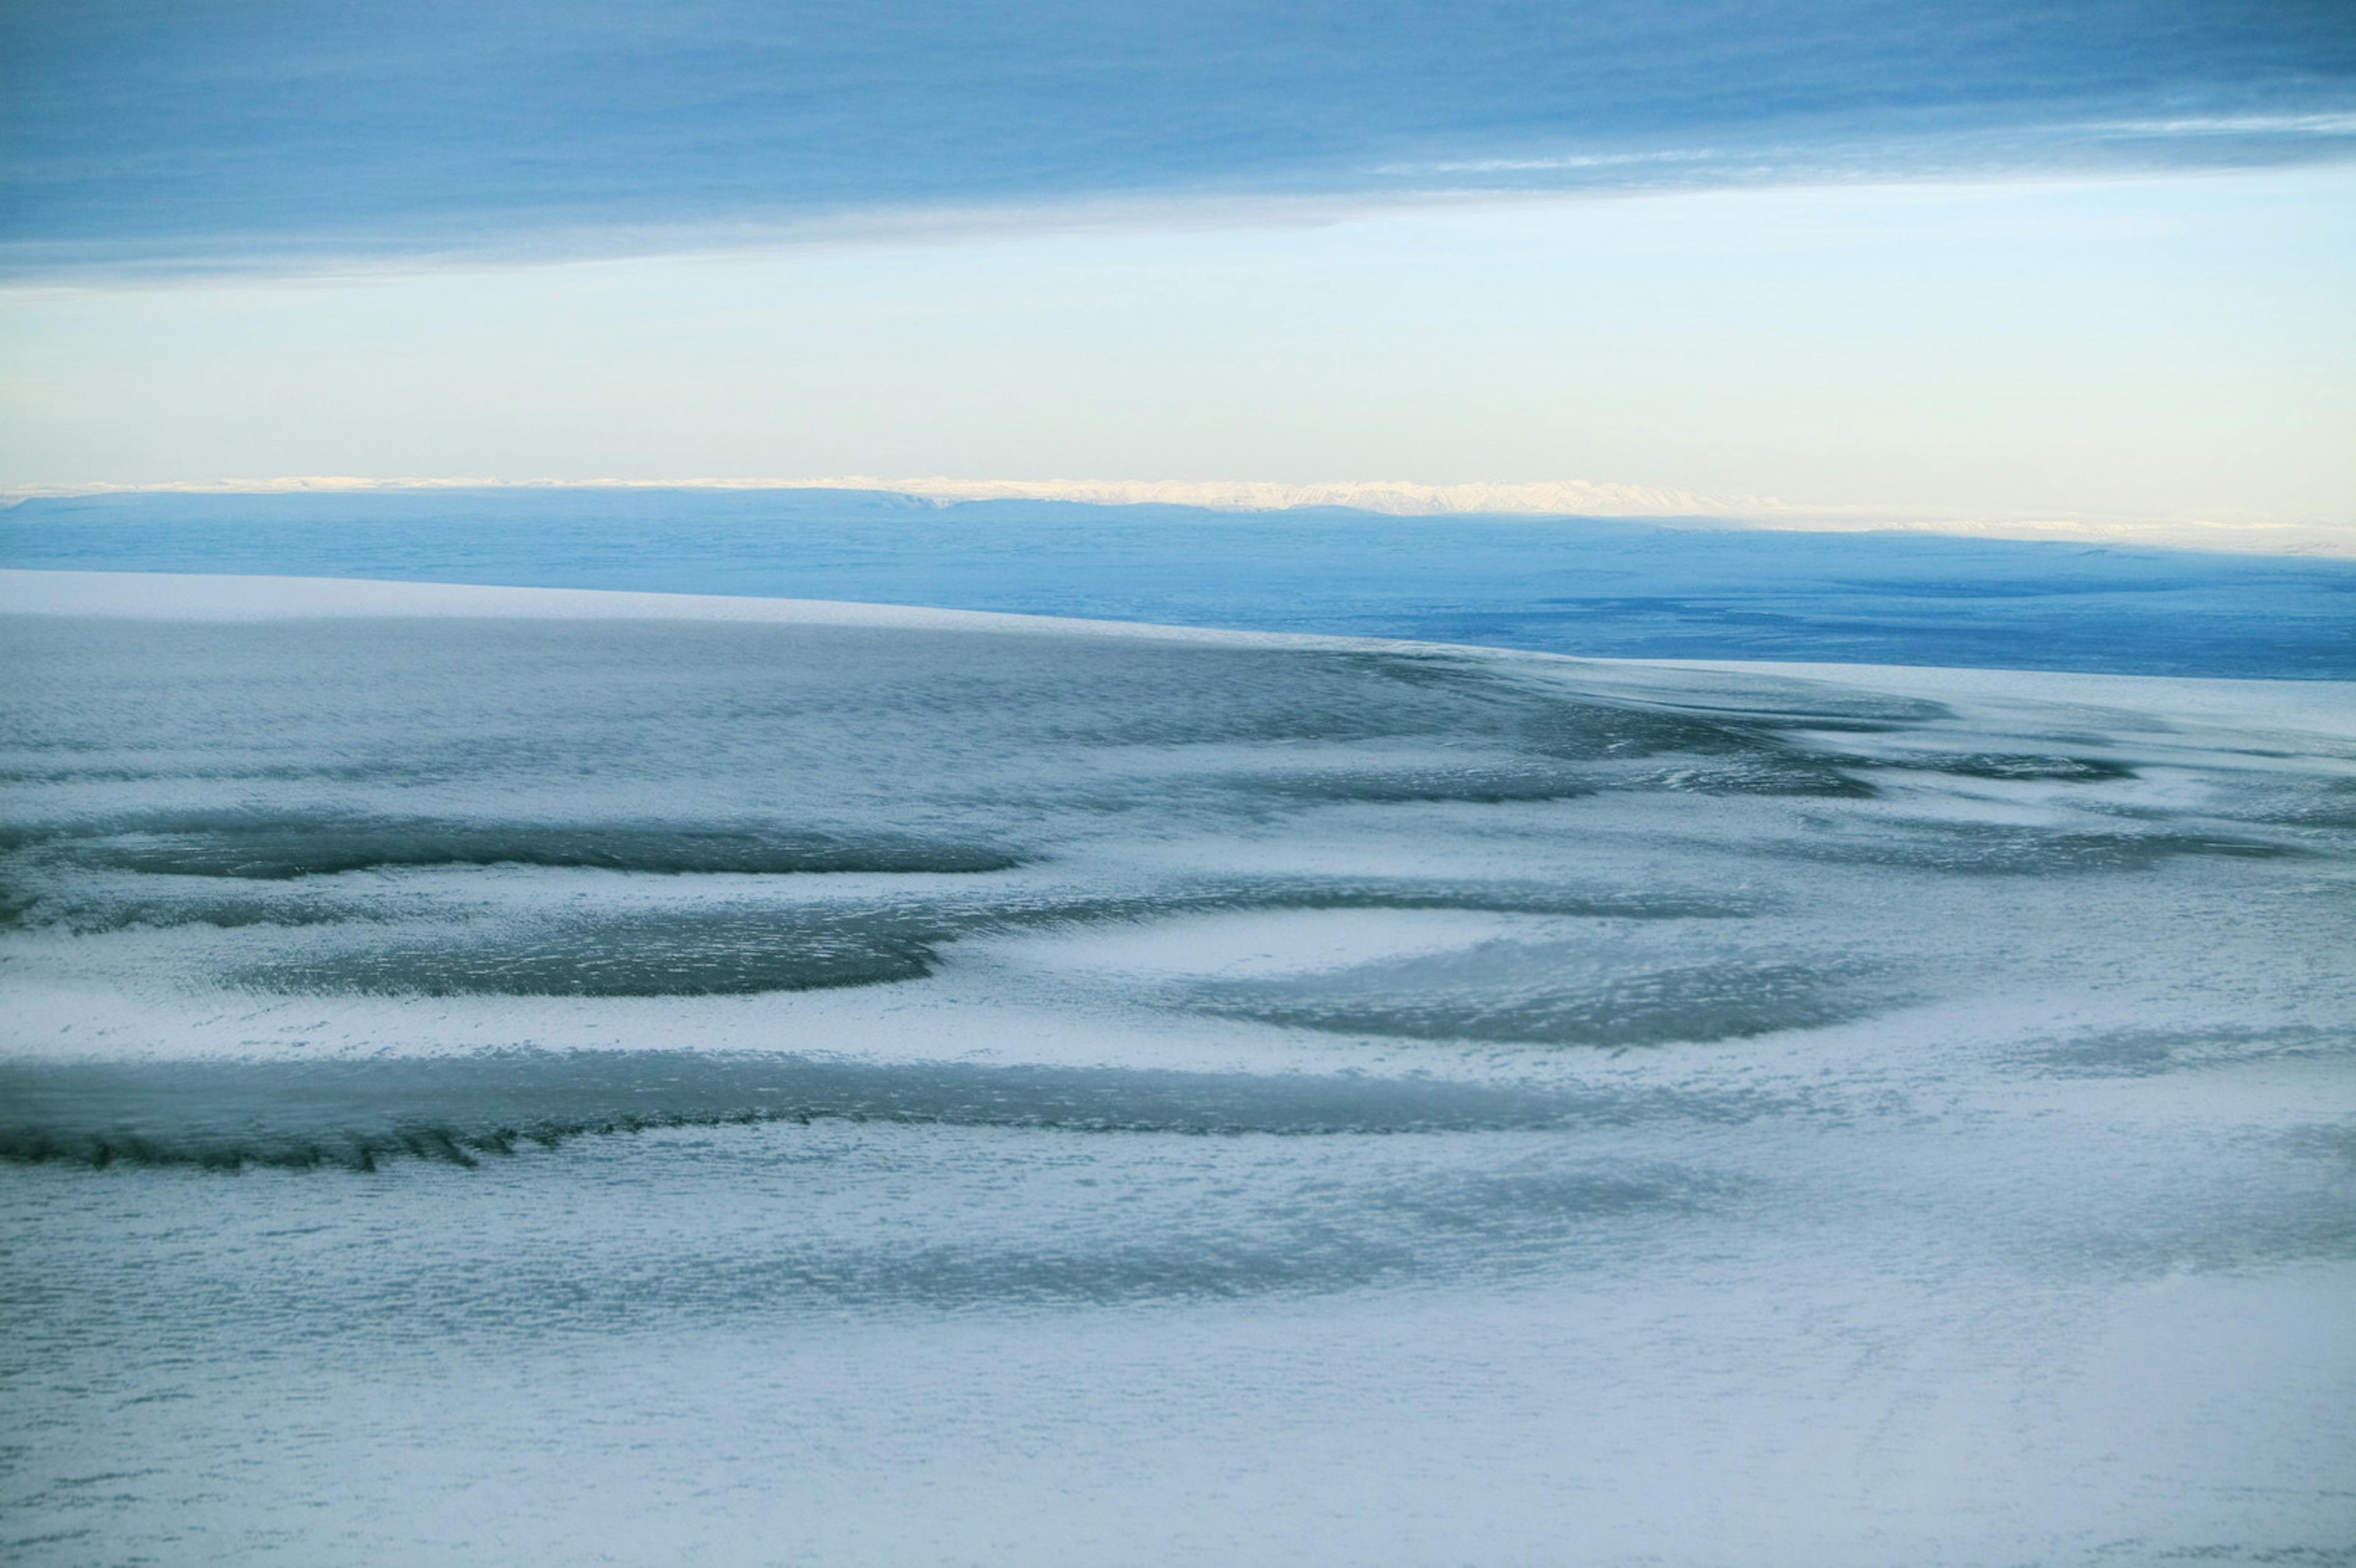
1981	262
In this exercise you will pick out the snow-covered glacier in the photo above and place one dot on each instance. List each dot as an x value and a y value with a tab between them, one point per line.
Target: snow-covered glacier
565	1076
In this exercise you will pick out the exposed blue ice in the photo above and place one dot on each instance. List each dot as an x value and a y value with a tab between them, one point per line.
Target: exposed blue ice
1587	586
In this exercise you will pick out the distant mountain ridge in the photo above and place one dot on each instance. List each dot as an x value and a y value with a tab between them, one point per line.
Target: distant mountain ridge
1389	497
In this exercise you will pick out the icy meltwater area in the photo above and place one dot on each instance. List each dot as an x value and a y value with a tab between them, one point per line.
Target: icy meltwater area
522	1076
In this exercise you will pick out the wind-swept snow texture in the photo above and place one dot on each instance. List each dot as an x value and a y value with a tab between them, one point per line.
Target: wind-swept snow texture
533	1076
1590	586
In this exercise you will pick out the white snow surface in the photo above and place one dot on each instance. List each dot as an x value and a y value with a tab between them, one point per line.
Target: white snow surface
553	1076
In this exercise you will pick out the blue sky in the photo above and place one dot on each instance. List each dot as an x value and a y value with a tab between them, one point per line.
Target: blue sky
1998	259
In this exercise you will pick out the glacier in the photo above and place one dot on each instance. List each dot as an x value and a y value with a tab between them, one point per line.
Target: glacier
560	1075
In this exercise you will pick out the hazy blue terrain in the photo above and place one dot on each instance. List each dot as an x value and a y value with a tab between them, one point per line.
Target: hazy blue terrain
1592	587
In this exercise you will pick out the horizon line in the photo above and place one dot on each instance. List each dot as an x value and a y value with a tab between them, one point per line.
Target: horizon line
1392	497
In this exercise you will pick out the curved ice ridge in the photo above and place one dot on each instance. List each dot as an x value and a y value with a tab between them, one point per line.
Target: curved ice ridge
353	1113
